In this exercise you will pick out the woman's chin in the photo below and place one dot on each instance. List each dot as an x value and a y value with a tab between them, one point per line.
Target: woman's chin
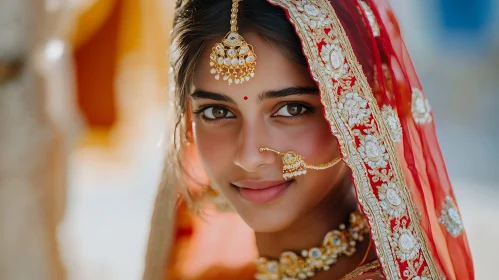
267	220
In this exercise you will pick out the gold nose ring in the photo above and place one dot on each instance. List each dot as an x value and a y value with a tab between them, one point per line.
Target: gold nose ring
294	164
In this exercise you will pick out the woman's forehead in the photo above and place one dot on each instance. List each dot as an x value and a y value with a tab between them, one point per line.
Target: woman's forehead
273	71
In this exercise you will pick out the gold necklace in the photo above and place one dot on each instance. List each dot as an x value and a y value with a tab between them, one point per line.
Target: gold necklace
336	243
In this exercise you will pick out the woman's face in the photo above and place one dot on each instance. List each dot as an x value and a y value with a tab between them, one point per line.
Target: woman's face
279	108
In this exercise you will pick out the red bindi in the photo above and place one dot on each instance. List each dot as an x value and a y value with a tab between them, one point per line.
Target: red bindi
245	98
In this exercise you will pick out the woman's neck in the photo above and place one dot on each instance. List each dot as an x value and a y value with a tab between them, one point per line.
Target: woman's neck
310	230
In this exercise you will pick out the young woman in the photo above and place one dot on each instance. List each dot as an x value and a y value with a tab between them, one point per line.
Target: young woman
308	120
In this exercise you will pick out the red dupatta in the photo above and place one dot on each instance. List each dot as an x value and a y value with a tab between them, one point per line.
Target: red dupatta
377	110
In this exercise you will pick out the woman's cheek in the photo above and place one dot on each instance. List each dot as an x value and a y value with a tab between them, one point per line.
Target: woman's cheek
317	143
213	147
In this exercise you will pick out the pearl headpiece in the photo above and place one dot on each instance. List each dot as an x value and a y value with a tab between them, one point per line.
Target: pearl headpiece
233	60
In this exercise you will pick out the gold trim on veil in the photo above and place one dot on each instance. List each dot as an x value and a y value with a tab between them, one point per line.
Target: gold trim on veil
408	235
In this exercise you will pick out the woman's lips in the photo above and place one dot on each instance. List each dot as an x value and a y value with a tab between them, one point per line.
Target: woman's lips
261	192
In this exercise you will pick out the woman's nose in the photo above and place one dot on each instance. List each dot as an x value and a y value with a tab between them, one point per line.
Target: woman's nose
248	155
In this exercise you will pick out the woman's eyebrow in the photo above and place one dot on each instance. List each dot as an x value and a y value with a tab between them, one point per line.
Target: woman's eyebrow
287	92
201	94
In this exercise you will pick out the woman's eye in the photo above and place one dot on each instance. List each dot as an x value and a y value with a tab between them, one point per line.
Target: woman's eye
291	110
215	112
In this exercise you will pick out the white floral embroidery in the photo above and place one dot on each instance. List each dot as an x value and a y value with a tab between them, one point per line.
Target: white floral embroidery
450	217
391	201
407	247
334	60
313	15
421	110
366	138
373	152
370	17
392	122
420	278
353	108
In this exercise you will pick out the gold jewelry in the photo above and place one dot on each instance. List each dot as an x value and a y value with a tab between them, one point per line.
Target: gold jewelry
294	164
336	243
233	59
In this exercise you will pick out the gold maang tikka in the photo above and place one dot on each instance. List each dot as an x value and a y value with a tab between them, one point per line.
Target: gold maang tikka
294	165
233	59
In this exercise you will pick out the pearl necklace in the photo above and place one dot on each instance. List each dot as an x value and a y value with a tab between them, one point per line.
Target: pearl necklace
336	243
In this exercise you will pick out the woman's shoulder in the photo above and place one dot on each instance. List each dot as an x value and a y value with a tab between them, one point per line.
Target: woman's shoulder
370	271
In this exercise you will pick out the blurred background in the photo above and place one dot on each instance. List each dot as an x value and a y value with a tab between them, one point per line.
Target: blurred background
99	71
